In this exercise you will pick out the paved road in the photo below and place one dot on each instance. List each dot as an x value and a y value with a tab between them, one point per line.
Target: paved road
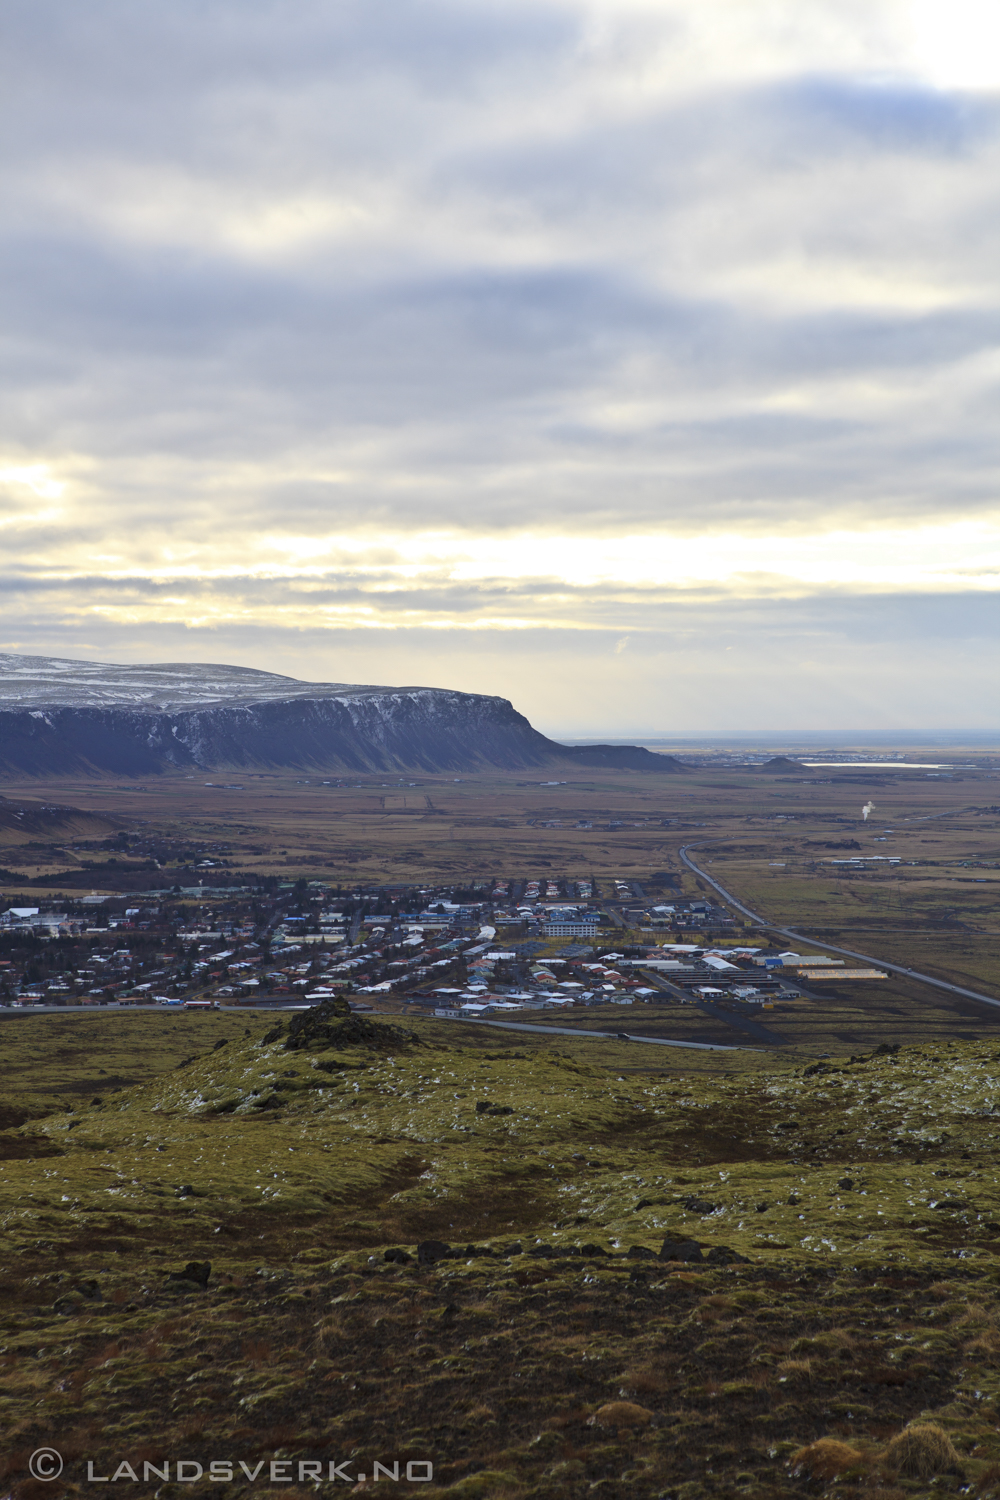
597	1036
789	932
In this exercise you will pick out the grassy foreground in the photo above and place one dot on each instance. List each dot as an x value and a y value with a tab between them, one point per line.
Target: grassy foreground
862	1194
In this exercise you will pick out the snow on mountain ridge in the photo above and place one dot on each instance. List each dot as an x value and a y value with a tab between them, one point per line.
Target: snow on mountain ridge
53	681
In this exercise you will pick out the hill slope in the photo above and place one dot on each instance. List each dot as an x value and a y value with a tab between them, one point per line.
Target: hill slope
536	1276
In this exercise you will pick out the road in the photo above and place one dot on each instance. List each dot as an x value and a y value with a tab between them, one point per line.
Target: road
799	937
597	1036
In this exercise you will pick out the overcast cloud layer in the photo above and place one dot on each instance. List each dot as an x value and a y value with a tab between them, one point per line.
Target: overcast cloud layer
638	361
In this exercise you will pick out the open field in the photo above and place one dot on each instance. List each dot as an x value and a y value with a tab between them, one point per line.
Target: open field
771	839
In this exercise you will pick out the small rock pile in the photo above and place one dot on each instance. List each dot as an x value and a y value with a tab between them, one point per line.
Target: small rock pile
333	1024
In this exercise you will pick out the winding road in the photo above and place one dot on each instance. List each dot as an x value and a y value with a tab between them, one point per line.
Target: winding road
789	932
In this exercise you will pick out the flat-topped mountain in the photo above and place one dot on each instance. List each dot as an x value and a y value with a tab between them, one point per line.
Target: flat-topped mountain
59	716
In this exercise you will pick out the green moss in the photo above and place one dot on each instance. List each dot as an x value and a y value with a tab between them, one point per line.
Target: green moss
309	1328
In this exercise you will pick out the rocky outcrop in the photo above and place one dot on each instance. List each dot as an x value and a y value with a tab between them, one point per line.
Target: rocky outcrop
54	721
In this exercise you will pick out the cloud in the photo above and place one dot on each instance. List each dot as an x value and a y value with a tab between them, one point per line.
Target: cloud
509	318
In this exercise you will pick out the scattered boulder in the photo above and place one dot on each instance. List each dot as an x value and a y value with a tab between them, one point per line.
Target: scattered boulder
640	1252
683	1250
66	1306
725	1255
401	1257
89	1290
700	1206
430	1251
185	1191
196	1273
485	1107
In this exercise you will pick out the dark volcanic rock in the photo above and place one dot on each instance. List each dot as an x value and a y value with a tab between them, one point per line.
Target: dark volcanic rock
196	1272
60	716
431	1251
332	1024
683	1250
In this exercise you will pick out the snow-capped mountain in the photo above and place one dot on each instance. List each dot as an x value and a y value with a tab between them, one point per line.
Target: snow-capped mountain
59	716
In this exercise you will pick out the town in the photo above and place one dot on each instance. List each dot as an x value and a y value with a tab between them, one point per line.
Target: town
485	949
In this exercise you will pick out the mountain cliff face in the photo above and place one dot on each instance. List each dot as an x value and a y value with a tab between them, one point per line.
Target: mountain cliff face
62	717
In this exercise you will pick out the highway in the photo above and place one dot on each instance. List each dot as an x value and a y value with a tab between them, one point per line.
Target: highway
597	1036
801	937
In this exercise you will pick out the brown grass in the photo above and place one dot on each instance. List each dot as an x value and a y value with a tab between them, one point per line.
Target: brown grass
257	1351
621	1414
974	1316
825	1459
646	1380
796	1371
921	1451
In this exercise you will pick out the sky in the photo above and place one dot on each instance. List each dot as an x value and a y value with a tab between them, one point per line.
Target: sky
636	360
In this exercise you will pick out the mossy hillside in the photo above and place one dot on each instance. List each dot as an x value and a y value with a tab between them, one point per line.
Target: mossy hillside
889	1157
515	1378
58	1061
862	1308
